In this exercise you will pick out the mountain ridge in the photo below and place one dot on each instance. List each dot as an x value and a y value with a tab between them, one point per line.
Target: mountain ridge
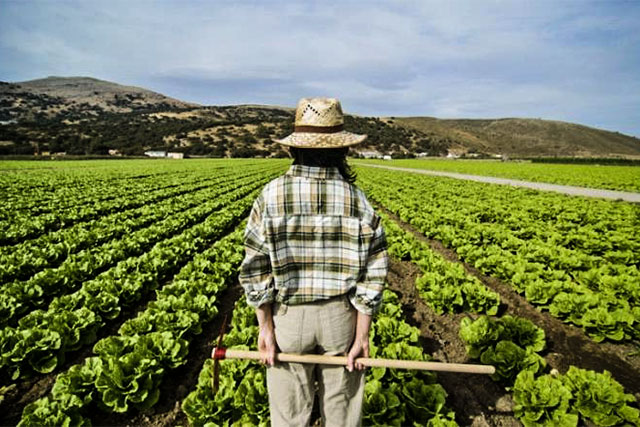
528	136
32	114
95	91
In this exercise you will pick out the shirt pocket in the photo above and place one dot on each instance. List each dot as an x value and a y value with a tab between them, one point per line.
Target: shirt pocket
367	233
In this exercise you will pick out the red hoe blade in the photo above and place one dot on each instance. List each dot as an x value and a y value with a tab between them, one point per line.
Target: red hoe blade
217	354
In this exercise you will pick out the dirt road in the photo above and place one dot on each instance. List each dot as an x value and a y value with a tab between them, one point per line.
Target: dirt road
565	189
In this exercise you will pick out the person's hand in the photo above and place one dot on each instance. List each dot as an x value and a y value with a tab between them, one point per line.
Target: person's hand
359	348
267	345
266	336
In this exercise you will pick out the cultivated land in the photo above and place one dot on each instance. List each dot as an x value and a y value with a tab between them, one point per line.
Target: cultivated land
541	186
117	275
621	178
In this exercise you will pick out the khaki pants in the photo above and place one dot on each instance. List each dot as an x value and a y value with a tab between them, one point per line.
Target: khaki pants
322	327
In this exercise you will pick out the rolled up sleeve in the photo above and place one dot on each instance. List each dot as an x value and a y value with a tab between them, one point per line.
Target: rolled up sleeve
368	295
255	271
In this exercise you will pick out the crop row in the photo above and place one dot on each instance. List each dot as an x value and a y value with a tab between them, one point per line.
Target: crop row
54	215
61	190
513	345
445	286
626	178
20	227
61	194
392	397
22	260
93	188
66	184
42	338
599	293
591	231
20	297
128	368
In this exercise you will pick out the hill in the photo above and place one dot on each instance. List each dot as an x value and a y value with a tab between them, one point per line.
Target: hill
61	96
84	115
525	137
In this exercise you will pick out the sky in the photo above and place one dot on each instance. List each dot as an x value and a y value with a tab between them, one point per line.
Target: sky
569	60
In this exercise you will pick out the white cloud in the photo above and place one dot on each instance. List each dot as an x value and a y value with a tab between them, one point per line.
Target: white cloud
453	58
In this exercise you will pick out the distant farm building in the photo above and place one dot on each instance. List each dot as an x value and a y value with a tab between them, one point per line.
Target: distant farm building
155	153
170	154
370	154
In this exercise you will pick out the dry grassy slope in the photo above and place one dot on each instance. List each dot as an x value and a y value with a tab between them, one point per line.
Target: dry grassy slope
266	107
110	96
529	137
83	100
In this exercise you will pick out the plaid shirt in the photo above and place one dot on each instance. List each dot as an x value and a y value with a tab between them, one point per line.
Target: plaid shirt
311	235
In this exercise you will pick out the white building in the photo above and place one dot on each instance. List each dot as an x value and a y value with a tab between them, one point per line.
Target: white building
173	155
370	154
155	153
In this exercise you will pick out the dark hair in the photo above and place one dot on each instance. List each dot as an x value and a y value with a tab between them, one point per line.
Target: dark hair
325	158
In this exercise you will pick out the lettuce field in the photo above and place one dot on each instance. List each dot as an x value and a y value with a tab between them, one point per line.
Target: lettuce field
117	275
622	178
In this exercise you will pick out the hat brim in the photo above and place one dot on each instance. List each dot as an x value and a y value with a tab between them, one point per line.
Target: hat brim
321	140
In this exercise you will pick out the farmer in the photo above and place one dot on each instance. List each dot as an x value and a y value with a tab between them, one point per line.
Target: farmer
315	266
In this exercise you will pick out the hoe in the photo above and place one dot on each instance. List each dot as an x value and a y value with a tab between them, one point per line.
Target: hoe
220	353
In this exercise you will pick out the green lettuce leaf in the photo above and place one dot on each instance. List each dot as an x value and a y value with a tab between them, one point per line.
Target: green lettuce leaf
542	401
600	398
509	359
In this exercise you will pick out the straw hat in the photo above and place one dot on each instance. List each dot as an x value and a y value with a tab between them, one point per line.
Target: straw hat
319	124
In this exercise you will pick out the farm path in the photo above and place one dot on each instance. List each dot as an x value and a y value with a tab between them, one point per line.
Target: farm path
543	186
566	344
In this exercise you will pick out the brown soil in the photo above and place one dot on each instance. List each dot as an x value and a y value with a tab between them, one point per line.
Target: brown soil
19	395
566	344
476	399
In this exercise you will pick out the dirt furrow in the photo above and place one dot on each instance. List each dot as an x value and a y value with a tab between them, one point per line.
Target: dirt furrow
180	382
566	344
476	399
26	391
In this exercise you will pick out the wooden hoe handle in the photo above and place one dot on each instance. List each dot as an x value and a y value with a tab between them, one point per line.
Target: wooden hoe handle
221	353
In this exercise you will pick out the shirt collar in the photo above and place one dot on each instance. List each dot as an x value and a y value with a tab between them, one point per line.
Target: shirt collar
314	172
